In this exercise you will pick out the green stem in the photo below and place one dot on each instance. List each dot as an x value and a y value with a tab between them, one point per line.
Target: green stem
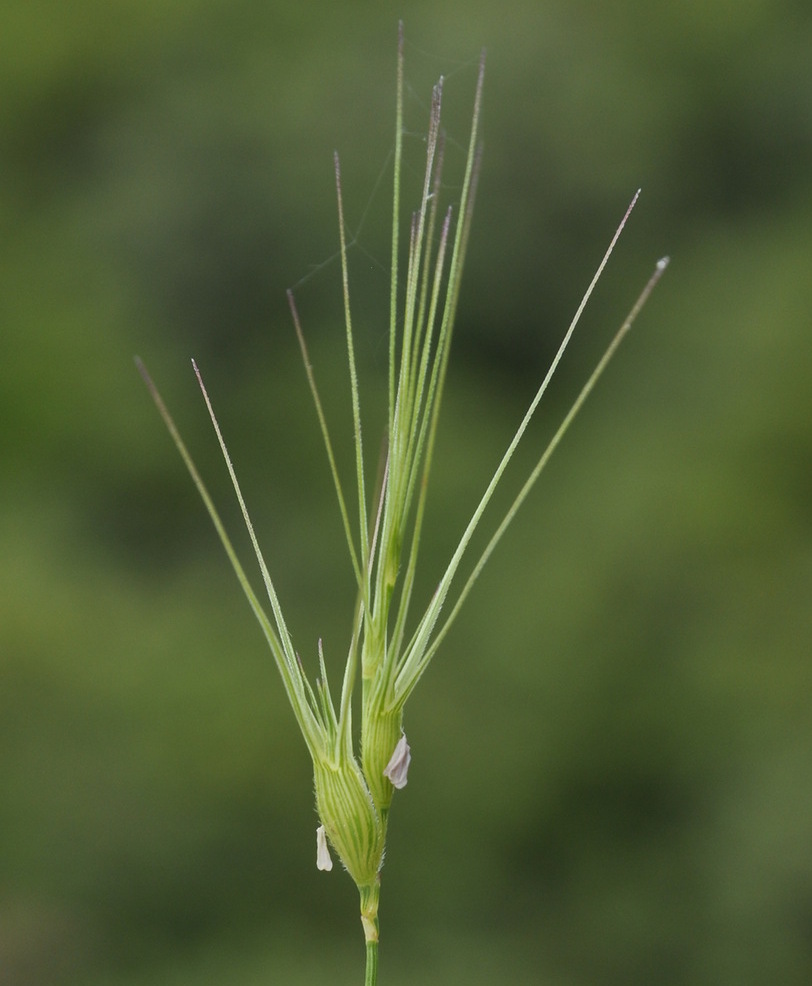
371	977
369	921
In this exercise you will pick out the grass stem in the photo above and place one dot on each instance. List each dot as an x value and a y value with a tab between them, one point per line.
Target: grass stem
371	977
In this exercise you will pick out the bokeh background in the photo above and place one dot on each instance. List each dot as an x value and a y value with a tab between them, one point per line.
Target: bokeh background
612	774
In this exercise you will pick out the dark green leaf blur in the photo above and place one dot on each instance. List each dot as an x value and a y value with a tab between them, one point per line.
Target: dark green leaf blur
612	755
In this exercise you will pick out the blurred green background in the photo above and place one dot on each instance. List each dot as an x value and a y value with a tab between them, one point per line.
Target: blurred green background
612	774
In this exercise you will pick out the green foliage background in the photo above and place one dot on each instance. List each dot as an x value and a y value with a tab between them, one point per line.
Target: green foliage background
612	775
